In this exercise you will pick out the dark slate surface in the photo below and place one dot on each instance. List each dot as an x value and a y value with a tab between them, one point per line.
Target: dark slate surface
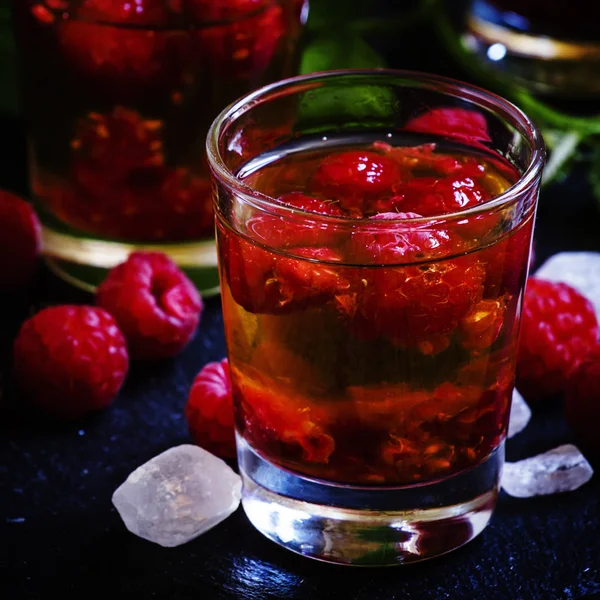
60	535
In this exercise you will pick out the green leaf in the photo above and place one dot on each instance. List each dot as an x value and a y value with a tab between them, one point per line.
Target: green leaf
325	14
345	103
594	172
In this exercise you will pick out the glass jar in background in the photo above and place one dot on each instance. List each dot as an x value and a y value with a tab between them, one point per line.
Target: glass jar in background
118	96
372	336
552	48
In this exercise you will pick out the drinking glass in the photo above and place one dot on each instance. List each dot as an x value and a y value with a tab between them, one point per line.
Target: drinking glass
118	95
372	356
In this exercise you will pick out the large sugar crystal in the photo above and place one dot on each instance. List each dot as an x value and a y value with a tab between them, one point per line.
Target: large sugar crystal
580	270
560	470
520	413
178	495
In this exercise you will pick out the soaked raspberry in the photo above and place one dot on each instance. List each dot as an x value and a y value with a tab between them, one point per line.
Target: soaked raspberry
110	146
275	421
455	123
397	243
506	262
424	160
582	401
243	49
220	10
124	57
558	330
263	282
430	196
481	326
138	12
280	232
356	178
414	304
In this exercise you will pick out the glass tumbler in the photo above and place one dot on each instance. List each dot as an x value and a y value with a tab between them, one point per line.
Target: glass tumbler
117	96
371	327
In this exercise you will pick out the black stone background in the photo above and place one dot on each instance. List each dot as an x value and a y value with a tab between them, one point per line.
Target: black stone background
60	535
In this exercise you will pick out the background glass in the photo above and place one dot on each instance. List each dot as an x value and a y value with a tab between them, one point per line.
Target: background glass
118	97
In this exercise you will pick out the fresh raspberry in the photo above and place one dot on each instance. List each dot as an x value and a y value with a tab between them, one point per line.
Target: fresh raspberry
284	233
582	401
355	178
209	410
558	330
70	360
455	123
156	306
19	243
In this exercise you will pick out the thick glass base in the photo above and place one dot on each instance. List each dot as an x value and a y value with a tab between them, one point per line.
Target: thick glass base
84	262
368	526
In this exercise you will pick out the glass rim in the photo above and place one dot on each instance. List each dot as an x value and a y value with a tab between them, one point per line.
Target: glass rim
445	85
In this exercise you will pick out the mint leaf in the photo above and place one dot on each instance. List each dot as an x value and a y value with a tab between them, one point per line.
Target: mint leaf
325	14
322	108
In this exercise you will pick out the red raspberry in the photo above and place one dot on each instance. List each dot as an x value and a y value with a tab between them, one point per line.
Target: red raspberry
558	329
455	123
394	244
243	48
481	326
156	306
582	401
127	59
263	282
430	196
138	12
280	424
70	360
423	160
220	10
355	178
19	243
279	232
506	262
209	410
108	147
414	304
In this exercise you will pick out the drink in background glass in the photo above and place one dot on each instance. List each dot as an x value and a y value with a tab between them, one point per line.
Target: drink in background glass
550	47
119	96
374	231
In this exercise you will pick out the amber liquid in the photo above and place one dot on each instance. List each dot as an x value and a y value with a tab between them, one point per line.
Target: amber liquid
371	374
118	110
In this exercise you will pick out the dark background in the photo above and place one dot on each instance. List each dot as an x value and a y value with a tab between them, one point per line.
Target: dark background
59	533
